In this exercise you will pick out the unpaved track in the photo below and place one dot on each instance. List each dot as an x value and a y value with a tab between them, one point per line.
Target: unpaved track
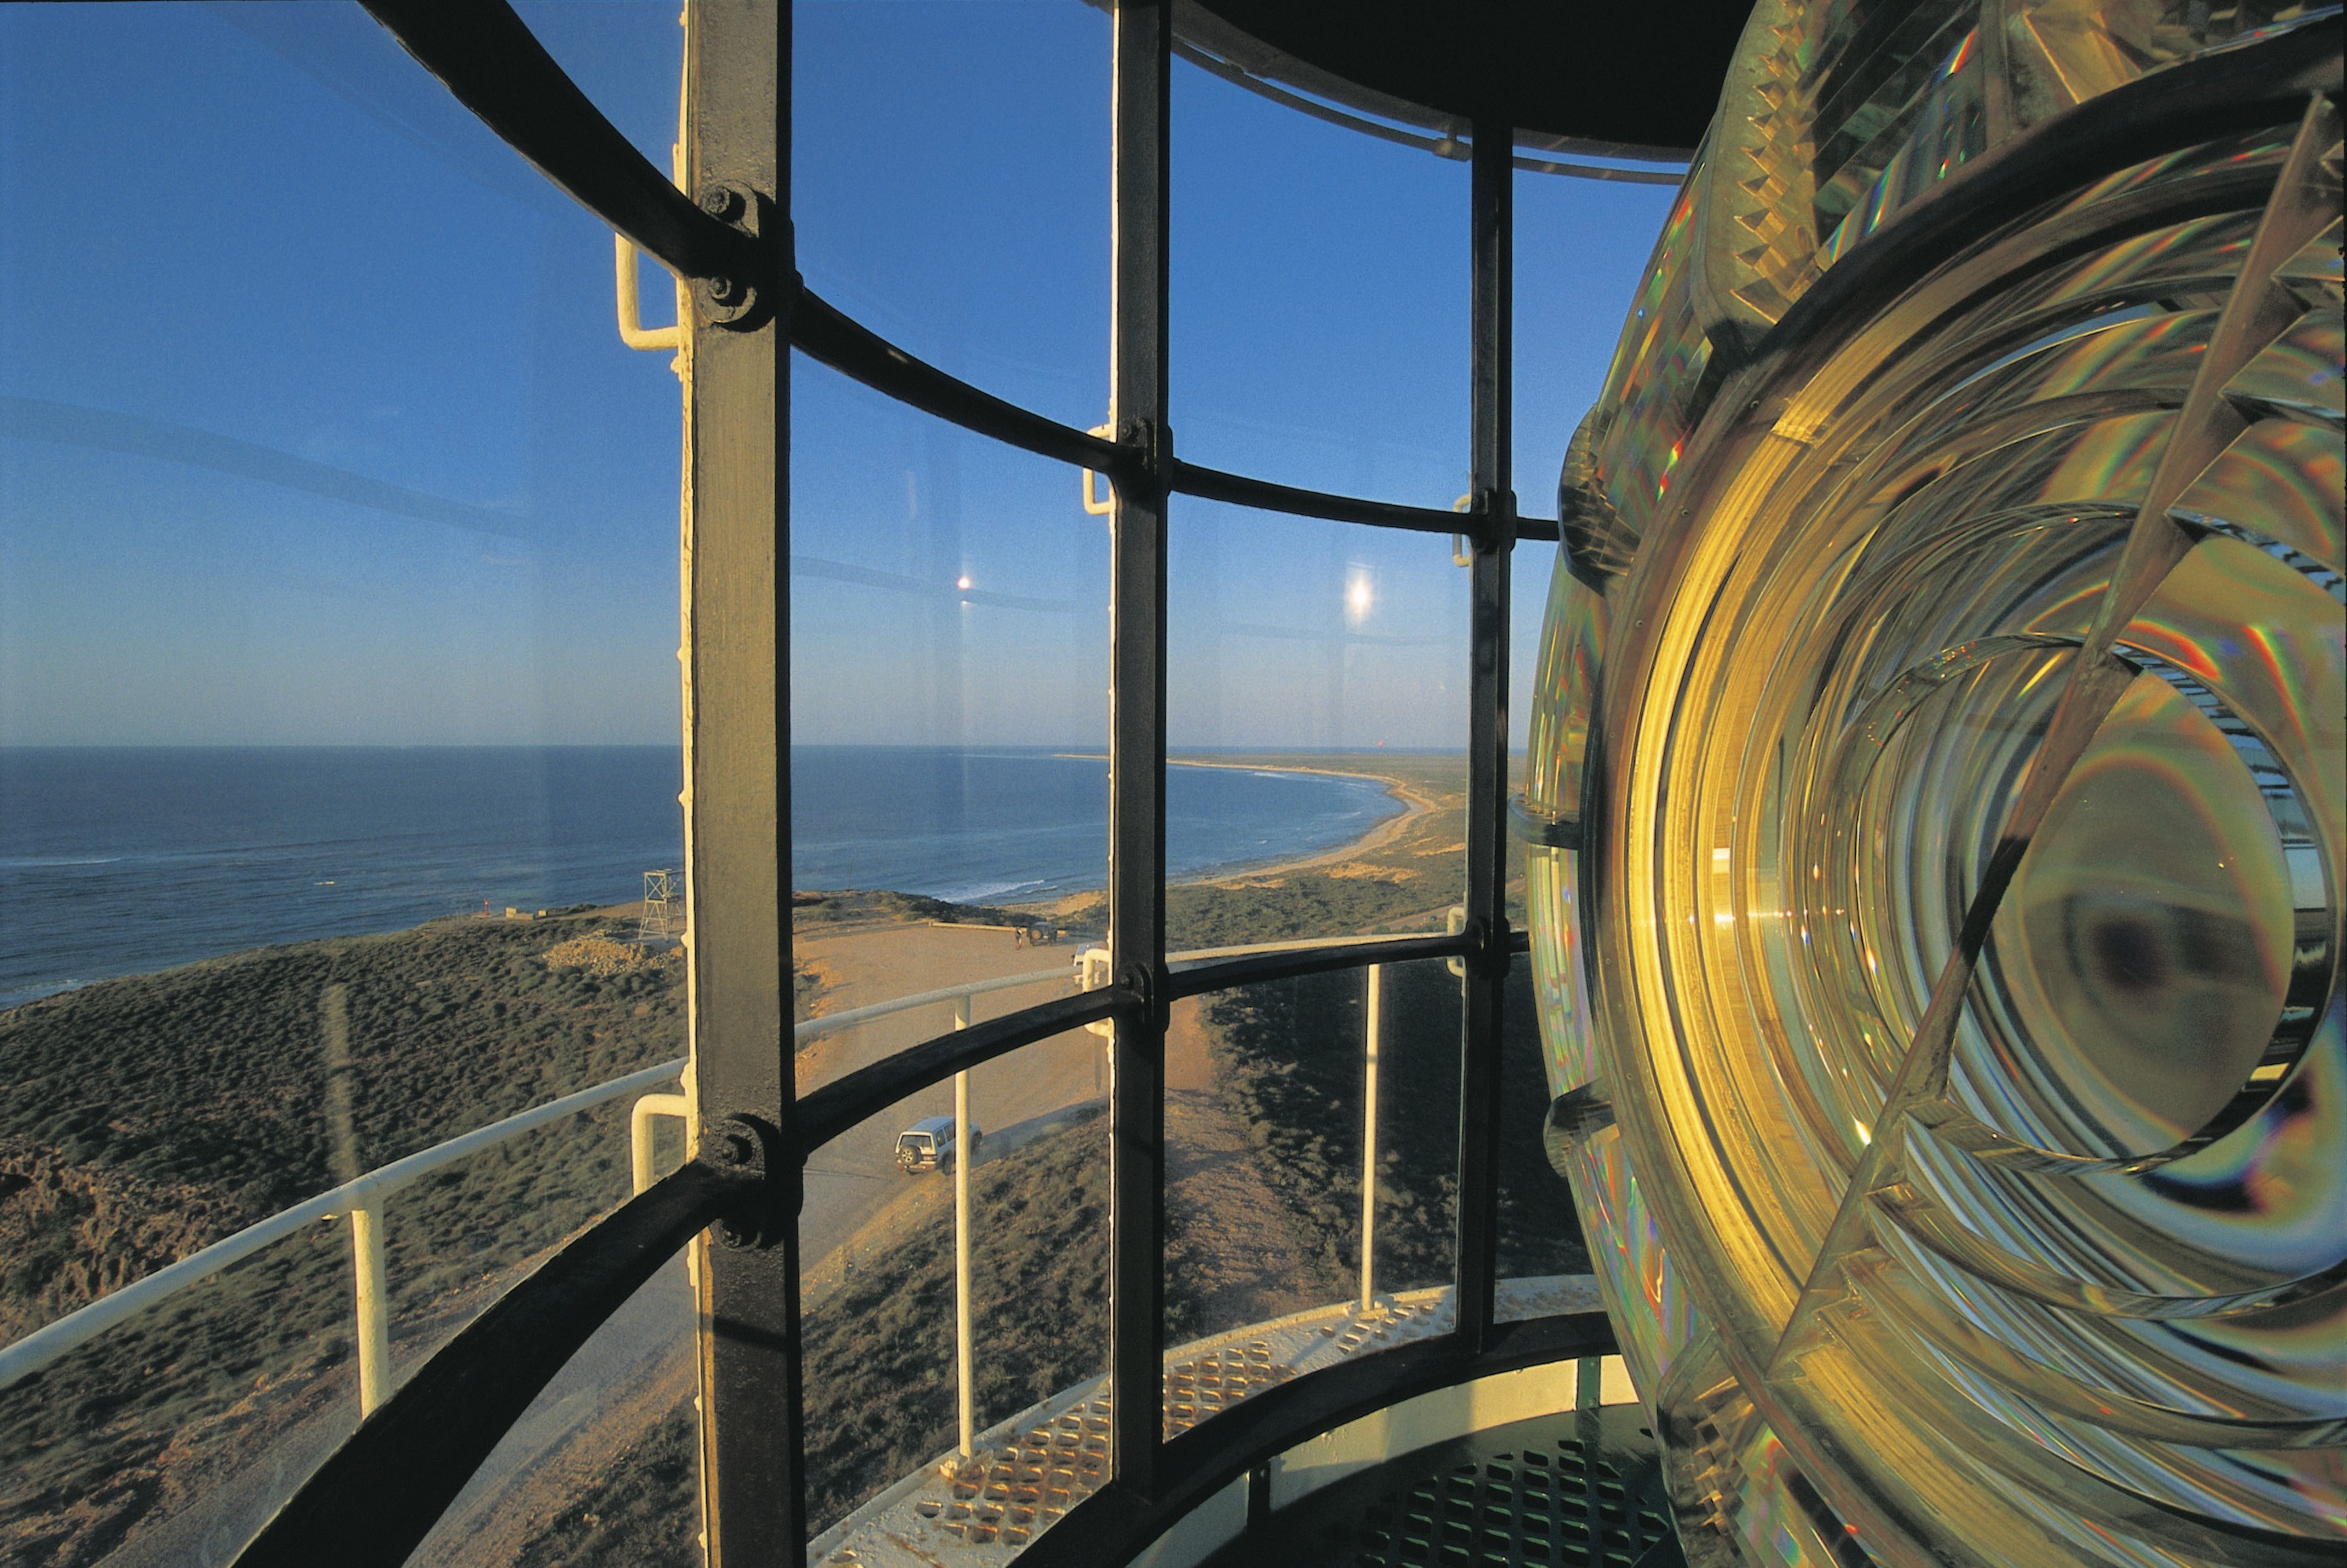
850	1179
1241	1255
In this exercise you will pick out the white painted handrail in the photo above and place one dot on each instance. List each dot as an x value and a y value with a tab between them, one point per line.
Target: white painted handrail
362	1200
831	1023
45	1345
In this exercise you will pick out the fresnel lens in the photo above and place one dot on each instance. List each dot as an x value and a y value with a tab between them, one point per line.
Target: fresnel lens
1946	682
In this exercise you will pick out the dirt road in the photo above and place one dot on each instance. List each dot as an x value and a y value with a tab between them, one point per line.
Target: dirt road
850	1179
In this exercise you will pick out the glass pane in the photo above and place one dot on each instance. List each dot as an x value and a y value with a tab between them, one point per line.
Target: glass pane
338	731
627	56
951	184
949	714
1319	300
1544	1266
1581	249
157	1398
1270	1091
1316	715
877	1241
1418	1127
603	1467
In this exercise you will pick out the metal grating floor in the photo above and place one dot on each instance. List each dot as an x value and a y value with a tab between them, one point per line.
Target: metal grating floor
1022	1486
982	1511
1573	1491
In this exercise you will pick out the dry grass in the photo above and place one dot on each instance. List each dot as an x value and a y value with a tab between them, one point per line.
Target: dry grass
599	955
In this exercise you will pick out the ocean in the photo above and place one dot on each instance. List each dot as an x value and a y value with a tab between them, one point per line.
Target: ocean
117	861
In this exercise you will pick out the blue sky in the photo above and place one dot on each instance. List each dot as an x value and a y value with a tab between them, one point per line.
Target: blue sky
314	427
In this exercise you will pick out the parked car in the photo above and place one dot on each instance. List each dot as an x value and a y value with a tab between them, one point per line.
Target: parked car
928	1145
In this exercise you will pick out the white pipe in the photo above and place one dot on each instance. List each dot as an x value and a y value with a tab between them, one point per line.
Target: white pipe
1092	974
632	331
45	1345
1292	946
374	1310
1371	1031
1098	505
640	1131
815	1027
962	1154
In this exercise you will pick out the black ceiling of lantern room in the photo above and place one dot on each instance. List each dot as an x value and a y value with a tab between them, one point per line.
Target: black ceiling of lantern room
1645	75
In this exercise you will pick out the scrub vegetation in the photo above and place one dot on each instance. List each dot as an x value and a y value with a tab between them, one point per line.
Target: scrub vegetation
150	1116
1289	1066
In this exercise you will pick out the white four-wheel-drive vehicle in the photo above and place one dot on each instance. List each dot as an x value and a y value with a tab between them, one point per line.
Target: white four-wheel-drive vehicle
928	1145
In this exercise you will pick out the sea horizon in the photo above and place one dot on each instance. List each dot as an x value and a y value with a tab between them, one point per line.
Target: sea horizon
123	860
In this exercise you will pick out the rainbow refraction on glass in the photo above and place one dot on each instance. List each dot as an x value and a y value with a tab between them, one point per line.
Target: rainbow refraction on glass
1945	672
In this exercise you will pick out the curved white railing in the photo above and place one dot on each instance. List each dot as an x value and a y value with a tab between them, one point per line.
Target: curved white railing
362	1196
362	1199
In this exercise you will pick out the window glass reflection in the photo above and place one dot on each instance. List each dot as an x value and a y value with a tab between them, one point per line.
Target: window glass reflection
338	730
948	722
1316	679
1319	300
950	177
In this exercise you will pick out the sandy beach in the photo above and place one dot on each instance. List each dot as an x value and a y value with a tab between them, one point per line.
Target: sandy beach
1387	834
1417	807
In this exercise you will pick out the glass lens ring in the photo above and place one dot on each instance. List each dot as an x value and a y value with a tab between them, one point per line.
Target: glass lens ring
1789	840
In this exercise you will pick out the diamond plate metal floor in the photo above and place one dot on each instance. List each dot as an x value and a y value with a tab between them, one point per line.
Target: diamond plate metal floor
1573	1491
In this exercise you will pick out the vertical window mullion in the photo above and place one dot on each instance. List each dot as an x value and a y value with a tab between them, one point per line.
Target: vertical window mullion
1492	223
1143	90
737	804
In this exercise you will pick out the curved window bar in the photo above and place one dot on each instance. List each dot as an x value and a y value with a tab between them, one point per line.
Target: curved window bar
379	1495
494	65
825	334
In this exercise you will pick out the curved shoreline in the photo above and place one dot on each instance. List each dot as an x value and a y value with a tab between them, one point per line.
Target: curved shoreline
1414	806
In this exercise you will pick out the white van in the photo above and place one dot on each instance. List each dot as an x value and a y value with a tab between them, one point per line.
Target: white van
928	1145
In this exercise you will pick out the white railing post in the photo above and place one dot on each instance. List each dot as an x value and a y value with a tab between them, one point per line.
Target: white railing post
640	1131
45	1345
1092	973
962	1154
372	1310
1372	1028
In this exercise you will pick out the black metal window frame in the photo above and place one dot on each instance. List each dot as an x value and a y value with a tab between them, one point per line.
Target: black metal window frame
374	1500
